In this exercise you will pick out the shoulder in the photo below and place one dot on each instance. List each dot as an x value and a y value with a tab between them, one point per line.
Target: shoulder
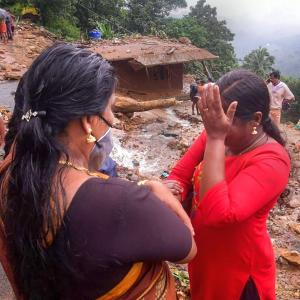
270	152
97	197
112	185
113	191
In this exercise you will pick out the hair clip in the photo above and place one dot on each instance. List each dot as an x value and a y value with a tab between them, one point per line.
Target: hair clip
29	115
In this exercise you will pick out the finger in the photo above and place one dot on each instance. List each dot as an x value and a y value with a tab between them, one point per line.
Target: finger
203	95
178	187
210	96
217	103
231	111
174	185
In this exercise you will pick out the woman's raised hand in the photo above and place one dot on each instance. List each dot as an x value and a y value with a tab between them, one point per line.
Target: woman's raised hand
215	120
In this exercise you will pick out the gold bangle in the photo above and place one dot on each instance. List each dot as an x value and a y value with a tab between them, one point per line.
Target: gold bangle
142	182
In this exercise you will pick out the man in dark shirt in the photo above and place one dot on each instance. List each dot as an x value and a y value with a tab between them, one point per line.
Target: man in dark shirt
195	95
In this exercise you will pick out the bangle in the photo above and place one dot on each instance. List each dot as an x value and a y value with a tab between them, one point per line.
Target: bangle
142	182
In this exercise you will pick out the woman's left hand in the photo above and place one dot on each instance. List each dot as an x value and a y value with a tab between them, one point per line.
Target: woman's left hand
216	121
174	186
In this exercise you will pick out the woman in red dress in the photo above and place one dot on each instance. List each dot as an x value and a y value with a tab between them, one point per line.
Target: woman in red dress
236	169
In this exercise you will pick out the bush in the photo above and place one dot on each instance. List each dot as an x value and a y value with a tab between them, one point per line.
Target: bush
16	9
293	114
64	28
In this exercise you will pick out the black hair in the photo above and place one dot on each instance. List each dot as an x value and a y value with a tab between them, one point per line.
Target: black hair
64	83
275	74
252	95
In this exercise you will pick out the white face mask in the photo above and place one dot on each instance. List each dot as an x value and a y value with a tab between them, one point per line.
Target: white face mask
101	151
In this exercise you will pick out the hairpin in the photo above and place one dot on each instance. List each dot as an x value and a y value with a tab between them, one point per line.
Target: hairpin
32	114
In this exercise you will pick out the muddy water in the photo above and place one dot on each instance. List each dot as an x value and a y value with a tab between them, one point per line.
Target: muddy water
7	90
147	148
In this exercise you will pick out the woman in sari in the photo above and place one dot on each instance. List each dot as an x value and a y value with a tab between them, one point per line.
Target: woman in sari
68	232
236	171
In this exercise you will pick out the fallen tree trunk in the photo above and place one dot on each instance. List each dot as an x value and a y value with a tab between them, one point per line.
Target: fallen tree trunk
129	105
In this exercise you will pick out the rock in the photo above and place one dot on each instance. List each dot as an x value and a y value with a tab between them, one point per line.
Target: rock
133	177
295	227
160	120
172	145
135	163
185	40
293	257
295	202
12	76
169	134
30	36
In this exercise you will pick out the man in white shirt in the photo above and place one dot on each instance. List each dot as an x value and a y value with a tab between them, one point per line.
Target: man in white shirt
279	91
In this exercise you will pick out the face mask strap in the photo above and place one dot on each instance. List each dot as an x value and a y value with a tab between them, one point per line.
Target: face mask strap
106	133
105	121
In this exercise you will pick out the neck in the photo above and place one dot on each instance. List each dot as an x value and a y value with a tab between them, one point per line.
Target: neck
76	155
256	141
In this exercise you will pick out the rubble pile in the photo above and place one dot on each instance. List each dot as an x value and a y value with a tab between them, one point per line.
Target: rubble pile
16	56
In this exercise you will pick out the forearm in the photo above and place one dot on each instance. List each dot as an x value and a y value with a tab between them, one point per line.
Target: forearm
214	165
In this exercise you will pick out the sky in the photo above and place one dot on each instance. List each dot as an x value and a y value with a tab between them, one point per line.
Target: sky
256	22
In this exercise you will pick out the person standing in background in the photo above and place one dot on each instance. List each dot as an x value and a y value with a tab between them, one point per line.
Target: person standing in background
3	31
279	92
8	22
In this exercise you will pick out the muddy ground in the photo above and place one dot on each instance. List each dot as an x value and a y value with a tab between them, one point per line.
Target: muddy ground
152	142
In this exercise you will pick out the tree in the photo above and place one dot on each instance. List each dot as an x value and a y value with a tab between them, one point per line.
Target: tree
107	12
218	37
293	114
55	9
186	27
147	16
259	61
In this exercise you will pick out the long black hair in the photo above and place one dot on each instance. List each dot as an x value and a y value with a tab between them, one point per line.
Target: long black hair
64	83
252	95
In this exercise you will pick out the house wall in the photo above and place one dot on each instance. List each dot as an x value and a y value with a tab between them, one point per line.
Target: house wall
158	78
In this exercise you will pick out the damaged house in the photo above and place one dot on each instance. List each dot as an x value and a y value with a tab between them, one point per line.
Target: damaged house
150	66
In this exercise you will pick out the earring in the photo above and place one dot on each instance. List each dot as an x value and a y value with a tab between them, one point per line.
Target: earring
90	138
254	132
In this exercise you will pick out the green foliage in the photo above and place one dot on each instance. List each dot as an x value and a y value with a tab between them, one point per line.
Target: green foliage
218	37
16	9
260	62
106	30
186	27
64	28
294	113
147	16
109	12
54	10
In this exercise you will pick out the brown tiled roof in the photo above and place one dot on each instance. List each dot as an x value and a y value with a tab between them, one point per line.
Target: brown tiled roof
150	51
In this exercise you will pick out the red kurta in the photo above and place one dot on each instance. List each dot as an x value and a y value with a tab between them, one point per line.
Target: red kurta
230	223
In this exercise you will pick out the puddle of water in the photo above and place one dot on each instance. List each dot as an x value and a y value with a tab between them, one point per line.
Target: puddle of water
173	117
6	90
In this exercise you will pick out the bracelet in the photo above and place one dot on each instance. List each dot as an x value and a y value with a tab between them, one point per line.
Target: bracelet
142	182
